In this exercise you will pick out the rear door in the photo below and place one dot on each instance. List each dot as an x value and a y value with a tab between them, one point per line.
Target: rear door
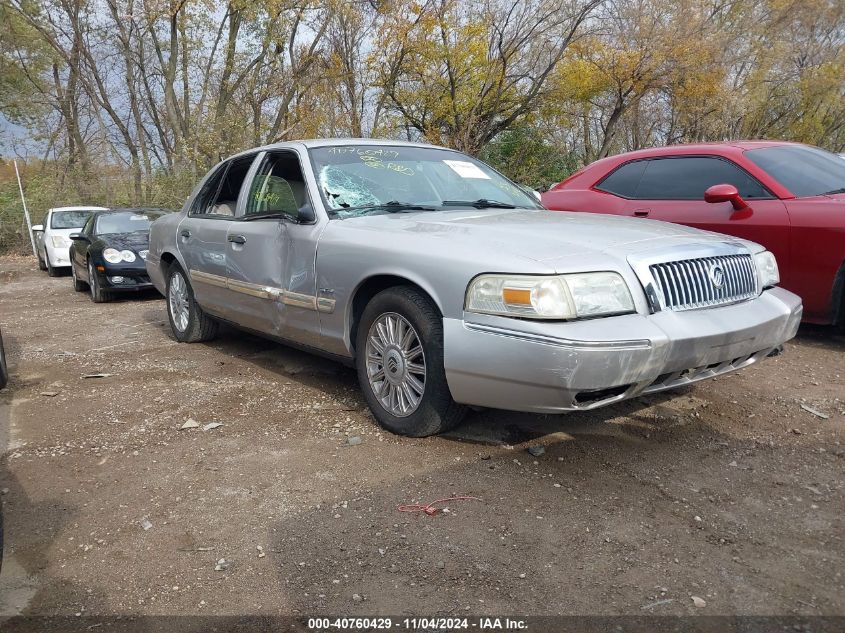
270	260
672	189
202	234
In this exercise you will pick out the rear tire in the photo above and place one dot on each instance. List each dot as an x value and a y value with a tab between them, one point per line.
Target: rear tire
98	295
399	358
79	286
188	322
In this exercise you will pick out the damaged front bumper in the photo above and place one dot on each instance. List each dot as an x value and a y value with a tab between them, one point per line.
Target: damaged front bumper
547	367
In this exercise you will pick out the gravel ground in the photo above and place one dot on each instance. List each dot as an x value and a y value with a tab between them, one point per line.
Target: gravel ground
730	492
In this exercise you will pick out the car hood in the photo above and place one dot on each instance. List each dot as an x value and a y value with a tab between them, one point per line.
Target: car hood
121	241
539	235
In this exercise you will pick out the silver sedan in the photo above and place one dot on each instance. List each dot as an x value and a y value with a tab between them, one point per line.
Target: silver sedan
447	285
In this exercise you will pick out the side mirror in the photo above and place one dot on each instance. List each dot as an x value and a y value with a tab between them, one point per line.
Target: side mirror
725	193
79	236
37	227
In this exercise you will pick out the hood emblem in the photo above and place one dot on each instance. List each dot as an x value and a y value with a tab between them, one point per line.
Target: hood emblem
717	276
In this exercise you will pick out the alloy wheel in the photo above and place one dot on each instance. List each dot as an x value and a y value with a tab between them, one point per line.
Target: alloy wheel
396	364
177	298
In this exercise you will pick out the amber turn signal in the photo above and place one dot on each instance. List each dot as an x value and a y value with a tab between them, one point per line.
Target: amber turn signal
517	296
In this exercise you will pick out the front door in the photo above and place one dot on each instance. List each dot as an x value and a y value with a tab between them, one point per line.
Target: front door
264	255
202	235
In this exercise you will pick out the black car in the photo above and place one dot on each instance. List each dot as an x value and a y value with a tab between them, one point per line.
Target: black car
108	256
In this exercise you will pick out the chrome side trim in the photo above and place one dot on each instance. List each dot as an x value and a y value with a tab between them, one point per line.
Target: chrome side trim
325	305
559	342
208	278
287	297
299	300
253	290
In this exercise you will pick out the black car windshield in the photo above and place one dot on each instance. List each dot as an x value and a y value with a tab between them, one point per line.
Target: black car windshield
396	178
804	170
69	219
125	221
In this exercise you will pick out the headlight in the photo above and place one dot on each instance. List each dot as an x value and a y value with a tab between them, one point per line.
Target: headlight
112	255
560	297
59	242
767	269
127	256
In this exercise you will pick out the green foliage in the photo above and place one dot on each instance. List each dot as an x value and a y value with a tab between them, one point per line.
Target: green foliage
525	156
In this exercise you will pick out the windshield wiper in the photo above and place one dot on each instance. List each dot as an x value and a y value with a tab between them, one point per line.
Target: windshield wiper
267	216
481	203
394	206
830	193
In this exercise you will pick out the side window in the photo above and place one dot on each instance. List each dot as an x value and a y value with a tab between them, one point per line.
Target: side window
219	195
624	180
279	188
687	178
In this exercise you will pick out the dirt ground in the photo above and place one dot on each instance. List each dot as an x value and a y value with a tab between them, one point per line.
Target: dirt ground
729	491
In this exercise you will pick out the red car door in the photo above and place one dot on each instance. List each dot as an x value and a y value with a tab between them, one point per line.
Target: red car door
672	189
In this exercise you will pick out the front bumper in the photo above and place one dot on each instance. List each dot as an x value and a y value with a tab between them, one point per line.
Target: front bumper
132	278
552	367
58	257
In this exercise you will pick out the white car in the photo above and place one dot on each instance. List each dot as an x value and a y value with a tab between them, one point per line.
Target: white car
52	236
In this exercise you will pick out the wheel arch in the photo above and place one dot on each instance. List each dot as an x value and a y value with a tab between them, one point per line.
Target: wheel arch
369	288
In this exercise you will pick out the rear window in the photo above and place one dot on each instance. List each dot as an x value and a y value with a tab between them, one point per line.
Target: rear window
69	219
624	180
125	222
804	170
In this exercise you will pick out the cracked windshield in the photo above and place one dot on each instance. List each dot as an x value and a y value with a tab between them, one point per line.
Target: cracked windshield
365	179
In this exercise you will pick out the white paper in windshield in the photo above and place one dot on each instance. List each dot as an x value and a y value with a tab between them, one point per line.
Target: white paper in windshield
466	169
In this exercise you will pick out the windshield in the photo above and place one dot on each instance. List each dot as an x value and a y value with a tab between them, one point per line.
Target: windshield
69	219
125	222
355	178
804	170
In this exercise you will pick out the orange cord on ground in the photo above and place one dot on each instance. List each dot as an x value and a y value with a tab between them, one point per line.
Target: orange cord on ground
429	509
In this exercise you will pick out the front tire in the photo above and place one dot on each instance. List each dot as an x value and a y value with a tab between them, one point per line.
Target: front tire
188	322
98	295
399	358
51	272
41	264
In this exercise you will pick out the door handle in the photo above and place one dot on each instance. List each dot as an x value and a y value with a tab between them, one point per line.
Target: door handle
641	213
236	239
185	233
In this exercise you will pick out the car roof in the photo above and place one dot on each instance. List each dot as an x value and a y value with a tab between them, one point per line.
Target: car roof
78	209
134	210
330	142
692	148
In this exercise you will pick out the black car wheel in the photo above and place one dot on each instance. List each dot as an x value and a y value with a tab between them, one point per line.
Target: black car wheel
4	370
187	320
41	264
78	285
98	295
399	358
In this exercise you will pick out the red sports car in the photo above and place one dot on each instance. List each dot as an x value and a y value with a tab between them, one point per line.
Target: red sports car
786	196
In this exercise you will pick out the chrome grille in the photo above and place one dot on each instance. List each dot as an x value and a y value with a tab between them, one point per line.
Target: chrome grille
706	281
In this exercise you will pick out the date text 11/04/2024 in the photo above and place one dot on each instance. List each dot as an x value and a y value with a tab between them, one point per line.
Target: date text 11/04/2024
416	624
